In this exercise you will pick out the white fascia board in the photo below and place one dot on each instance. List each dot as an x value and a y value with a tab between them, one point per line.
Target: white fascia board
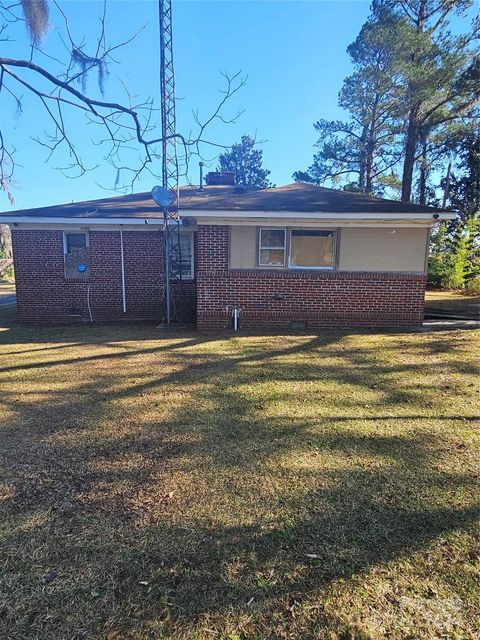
314	224
235	216
81	222
301	215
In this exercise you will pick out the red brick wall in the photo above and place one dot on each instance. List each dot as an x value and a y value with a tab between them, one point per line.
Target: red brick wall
44	294
270	299
275	299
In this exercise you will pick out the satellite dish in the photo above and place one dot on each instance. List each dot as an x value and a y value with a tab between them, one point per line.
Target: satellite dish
162	197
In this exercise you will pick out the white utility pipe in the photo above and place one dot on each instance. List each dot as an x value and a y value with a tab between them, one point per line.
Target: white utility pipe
89	287
124	296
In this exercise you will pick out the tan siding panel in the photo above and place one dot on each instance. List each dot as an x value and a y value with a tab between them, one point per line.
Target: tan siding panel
243	247
383	249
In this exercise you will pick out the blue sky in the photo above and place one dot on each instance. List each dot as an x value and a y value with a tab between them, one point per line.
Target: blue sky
293	52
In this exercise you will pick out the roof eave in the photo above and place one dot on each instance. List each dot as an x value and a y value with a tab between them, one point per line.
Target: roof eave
16	219
316	215
225	214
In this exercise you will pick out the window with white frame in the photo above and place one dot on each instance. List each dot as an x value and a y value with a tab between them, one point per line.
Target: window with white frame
272	247
297	248
311	249
186	250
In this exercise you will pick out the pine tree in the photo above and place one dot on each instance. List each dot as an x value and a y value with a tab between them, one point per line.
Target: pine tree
247	163
440	75
464	192
365	147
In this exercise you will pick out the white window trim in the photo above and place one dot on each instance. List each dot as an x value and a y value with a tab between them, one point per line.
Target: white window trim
295	267
74	231
191	275
287	249
284	248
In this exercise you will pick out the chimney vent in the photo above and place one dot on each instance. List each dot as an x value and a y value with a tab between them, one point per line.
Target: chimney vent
220	178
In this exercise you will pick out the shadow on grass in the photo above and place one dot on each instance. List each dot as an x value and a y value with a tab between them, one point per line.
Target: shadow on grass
166	494
452	303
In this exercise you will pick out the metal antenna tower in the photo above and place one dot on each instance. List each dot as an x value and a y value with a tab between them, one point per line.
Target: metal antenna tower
171	220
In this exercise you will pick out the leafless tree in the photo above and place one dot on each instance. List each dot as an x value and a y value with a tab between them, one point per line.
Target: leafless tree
126	132
5	242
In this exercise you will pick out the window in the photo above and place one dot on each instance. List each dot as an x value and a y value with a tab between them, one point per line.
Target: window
76	254
312	249
305	248
271	248
186	250
74	240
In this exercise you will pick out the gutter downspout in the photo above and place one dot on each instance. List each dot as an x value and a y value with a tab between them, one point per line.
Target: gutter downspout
124	297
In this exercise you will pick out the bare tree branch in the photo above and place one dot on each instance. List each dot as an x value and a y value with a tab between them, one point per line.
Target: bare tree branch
128	127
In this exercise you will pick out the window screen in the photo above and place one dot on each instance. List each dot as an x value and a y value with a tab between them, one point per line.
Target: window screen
272	248
75	241
310	248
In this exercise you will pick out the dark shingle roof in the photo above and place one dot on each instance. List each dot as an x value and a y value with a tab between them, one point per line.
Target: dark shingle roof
296	197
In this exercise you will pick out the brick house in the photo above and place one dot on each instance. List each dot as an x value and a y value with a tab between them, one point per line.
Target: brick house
298	255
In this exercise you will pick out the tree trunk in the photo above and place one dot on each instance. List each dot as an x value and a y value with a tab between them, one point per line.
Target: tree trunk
368	171
412	129
423	174
410	152
362	161
371	147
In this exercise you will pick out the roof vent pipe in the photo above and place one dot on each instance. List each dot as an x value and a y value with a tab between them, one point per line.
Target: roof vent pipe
201	165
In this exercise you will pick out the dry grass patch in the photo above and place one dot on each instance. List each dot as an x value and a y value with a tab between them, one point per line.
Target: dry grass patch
453	302
238	488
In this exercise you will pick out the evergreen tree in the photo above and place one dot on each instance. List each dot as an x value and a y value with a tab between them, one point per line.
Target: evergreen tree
455	247
441	77
464	192
365	147
464	250
247	163
413	83
440	259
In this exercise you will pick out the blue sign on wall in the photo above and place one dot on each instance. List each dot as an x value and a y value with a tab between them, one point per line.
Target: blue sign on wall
81	268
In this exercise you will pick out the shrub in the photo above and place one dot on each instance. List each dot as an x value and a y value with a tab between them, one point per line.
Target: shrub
439	271
473	285
454	259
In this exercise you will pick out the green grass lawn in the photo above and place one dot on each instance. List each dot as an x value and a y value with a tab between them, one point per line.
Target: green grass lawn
238	488
452	302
